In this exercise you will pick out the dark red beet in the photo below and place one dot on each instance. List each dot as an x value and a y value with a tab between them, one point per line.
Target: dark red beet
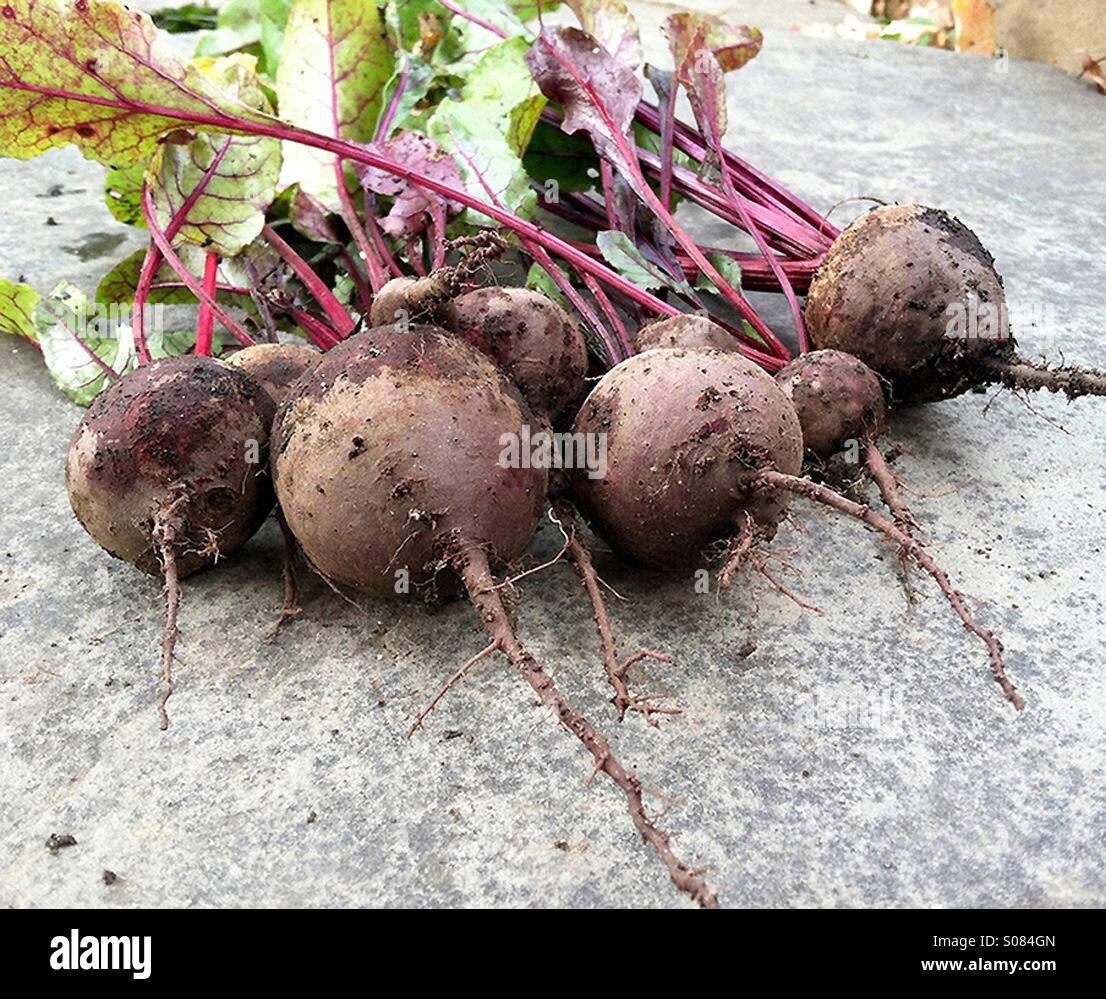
532	339
683	427
176	435
168	471
838	399
889	289
387	458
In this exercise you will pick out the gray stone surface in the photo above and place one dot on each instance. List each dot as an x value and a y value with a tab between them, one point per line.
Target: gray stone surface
860	758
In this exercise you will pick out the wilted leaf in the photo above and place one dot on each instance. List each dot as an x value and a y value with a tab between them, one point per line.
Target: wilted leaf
612	25
598	95
310	217
335	64
88	73
698	70
241	171
17	309
409	214
975	26
733	45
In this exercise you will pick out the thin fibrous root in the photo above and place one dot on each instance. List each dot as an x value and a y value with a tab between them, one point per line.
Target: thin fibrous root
472	564
165	535
739	551
823	494
449	282
1021	373
624	700
448	685
290	609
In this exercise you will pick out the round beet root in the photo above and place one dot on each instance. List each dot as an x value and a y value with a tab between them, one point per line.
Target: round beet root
406	300
275	366
388	460
684	430
176	449
904	288
837	397
532	339
686	331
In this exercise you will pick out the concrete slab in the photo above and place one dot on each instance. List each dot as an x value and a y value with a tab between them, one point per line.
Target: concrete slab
860	758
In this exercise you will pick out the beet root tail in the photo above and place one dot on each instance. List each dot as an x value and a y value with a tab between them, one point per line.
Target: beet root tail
472	564
820	493
624	699
170	632
1029	376
290	609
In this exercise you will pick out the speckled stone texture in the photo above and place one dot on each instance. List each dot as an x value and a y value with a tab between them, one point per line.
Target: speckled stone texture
860	758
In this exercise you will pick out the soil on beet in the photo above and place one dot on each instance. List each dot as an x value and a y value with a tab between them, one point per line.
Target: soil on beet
189	433
389	454
899	289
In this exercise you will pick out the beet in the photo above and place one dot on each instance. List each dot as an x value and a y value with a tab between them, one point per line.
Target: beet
275	366
532	339
406	300
883	291
682	427
174	435
837	398
914	294
703	449
168	471
386	458
687	331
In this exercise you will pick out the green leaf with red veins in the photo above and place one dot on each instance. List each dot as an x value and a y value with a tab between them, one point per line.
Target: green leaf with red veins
501	89
118	285
95	75
491	169
335	65
487	130
612	25
230	212
598	94
733	45
17	309
84	348
699	71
